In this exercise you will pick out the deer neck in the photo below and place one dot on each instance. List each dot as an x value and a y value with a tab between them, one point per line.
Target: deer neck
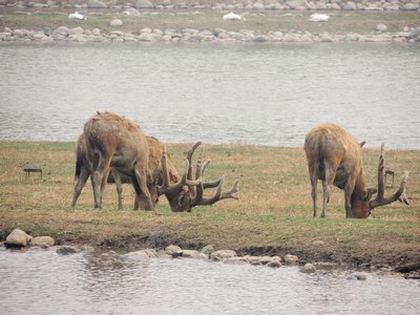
360	190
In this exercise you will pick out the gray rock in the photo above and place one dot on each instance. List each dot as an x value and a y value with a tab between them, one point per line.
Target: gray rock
350	5
143	4
267	259
361	275
116	22
96	32
207	250
146	30
62	30
275	262
66	250
18	238
258	6
96	4
77	38
76	30
414	33
42	241
410	7
235	260
260	38
381	28
222	254
188	253
254	260
296	4
173	250
137	255
290	259
308	268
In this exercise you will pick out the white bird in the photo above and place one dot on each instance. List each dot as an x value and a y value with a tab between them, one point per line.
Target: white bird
77	16
231	17
319	17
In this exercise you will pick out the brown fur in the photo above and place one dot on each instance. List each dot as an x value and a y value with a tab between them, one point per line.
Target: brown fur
114	141
335	157
83	170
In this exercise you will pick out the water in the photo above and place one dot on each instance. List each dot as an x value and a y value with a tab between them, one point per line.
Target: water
43	282
244	93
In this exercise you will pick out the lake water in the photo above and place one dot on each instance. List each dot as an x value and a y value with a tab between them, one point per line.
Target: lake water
243	93
43	282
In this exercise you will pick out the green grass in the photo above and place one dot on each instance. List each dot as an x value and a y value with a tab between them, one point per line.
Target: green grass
261	22
273	214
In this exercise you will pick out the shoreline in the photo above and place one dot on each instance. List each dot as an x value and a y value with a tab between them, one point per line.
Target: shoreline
271	218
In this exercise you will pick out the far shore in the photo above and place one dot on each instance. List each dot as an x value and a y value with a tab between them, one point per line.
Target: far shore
204	25
272	217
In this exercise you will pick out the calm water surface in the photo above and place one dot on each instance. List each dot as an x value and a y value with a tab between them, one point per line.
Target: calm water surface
263	94
42	282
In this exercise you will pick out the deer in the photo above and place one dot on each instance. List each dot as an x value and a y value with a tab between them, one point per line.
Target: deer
183	192
334	156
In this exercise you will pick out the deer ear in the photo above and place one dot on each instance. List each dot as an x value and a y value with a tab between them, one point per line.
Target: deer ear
362	144
370	193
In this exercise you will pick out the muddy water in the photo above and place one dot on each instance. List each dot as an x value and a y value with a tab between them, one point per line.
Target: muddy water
263	94
43	282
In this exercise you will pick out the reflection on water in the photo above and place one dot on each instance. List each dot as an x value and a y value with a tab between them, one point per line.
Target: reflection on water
42	282
264	94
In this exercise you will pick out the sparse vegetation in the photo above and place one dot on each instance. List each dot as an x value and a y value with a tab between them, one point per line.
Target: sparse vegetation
273	215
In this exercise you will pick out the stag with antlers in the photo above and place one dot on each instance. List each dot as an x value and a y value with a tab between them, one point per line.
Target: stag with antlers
335	157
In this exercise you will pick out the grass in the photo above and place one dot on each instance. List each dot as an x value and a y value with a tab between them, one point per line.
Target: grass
273	214
261	22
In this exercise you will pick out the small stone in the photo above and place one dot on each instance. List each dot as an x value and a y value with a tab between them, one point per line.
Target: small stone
207	249
140	254
361	275
96	4
222	254
308	268
275	262
116	22
290	259
235	260
143	4
173	250
18	238
254	260
66	250
42	241
381	28
267	259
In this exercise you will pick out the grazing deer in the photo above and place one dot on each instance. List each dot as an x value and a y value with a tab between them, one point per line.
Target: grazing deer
116	142
335	157
182	192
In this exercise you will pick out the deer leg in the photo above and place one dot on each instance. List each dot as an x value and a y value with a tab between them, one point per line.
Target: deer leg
314	183
348	191
328	178
141	179
118	184
100	177
80	183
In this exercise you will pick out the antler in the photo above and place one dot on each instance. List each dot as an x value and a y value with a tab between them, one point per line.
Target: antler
400	195
167	187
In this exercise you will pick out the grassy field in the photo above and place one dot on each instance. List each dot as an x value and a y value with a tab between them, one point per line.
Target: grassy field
261	22
273	215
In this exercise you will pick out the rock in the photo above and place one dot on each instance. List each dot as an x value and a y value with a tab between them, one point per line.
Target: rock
62	30
187	253
76	30
381	28
96	32
132	12
296	4
18	238
173	251
267	259
290	259
140	254
207	250
235	260
96	4
42	241
260	38
275	262
254	260
146	37
410	7
78	38
258	6
308	268
414	33
222	254
361	275
66	250
116	22
350	5
143	4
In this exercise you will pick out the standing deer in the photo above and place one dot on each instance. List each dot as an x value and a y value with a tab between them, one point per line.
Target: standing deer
183	192
335	157
114	141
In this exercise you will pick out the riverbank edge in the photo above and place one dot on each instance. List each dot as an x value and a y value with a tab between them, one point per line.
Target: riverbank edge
380	260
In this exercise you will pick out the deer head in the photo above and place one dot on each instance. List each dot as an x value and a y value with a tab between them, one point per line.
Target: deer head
188	192
362	208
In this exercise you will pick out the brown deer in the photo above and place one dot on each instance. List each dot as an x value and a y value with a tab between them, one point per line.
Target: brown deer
83	171
114	141
335	157
183	192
